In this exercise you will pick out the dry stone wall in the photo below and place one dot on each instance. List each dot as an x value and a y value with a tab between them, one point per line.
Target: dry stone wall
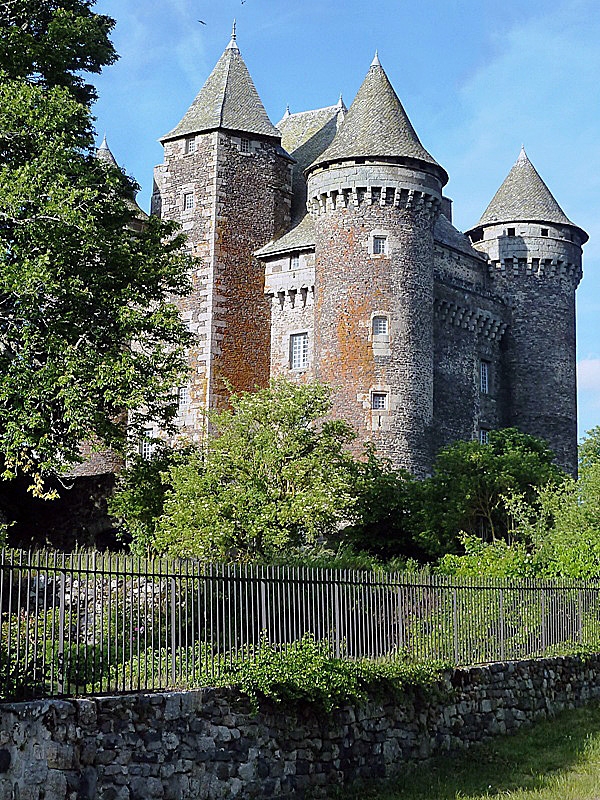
208	744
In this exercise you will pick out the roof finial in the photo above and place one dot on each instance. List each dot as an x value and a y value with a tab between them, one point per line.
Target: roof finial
233	43
522	154
287	112
376	62
340	102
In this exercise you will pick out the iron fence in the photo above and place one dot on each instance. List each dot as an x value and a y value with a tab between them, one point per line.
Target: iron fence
88	623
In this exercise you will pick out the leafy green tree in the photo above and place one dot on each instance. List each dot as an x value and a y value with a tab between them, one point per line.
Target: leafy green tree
88	334
470	481
554	534
274	475
385	499
51	42
86	329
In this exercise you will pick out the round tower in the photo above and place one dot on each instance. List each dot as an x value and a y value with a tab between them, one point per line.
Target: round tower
374	195
535	253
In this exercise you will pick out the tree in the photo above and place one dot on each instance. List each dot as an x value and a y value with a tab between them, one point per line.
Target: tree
50	42
470	481
87	330
274	475
555	534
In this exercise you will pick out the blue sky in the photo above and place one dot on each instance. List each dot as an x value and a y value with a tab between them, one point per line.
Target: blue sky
478	78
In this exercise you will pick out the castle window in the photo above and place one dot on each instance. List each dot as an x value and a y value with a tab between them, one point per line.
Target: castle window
380	326
544	231
299	350
510	232
183	394
146	445
484	377
188	201
294	261
190	144
379	245
484	436
379	401
245	145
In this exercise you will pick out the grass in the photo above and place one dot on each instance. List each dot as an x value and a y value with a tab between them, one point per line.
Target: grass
557	759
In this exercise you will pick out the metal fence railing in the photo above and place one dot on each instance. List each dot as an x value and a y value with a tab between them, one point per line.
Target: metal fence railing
90	622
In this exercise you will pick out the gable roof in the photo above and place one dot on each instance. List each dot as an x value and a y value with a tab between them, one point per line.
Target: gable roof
228	100
523	197
377	125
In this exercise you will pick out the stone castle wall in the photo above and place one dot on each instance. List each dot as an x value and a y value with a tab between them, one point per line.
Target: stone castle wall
207	744
538	275
241	197
353	283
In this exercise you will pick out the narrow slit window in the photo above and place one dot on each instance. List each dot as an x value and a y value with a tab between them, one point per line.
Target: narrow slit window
484	377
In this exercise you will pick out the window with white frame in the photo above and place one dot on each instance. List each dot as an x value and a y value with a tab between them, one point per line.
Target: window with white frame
188	201
379	245
484	436
183	396
379	401
484	377
245	145
380	325
146	444
190	144
294	261
299	350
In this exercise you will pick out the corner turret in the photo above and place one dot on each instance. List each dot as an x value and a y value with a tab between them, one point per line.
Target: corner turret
374	195
227	181
535	255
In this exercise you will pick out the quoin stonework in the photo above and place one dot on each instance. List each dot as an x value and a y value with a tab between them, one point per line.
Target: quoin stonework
325	250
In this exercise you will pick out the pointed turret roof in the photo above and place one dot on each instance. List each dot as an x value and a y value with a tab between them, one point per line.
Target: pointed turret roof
104	153
227	100
377	125
523	197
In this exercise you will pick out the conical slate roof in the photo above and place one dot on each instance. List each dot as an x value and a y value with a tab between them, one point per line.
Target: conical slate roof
523	197
103	153
377	125
227	100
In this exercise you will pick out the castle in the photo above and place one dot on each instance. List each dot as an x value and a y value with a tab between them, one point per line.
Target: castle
325	250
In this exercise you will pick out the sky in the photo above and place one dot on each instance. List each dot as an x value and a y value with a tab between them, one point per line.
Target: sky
478	78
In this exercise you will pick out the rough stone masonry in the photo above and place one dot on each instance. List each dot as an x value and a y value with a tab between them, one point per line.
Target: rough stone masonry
207	744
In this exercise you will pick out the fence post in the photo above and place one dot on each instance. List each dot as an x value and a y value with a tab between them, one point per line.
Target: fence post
502	634
263	602
60	676
400	645
173	669
579	616
544	635
455	624
336	622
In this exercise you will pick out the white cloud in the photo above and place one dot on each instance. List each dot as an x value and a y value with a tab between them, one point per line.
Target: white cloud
588	375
